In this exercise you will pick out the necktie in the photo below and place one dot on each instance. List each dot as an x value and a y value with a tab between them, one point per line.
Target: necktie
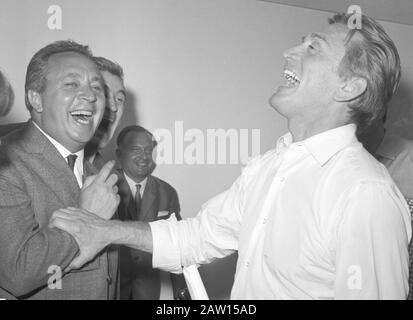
71	159
138	200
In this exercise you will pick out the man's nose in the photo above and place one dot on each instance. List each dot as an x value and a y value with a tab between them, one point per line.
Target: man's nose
88	94
292	52
112	104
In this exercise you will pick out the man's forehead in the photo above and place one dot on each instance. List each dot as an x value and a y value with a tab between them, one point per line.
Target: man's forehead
336	32
135	138
72	63
113	81
332	33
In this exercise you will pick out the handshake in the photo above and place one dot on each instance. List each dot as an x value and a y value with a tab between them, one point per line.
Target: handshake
89	224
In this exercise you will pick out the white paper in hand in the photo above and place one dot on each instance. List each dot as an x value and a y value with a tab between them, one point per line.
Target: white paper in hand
194	282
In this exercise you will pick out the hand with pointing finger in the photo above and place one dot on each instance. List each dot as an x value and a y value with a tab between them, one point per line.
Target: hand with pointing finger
99	193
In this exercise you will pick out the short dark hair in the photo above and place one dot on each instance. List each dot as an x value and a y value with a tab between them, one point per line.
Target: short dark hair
373	57
6	95
37	68
138	129
109	66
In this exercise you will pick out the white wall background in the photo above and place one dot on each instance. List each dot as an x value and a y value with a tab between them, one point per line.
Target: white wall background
210	63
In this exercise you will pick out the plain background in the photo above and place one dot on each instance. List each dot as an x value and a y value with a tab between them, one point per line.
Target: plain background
209	63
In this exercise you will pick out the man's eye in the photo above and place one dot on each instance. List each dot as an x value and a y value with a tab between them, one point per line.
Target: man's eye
72	85
97	88
120	100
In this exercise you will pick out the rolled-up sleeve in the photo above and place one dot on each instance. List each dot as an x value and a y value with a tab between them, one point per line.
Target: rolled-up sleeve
212	234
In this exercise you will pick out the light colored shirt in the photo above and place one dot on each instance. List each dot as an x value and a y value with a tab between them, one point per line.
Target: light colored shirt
78	168
315	219
132	184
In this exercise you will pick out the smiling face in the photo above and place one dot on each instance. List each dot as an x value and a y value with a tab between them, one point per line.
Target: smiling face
71	106
115	102
135	155
311	73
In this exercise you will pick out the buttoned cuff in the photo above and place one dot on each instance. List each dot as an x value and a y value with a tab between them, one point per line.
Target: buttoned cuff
166	252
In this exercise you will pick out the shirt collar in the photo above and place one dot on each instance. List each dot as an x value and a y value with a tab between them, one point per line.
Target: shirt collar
284	142
132	184
325	145
62	150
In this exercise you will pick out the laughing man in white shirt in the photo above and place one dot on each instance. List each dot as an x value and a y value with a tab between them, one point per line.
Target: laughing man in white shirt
317	217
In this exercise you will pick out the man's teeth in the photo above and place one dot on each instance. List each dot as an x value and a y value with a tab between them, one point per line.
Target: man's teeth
82	116
291	77
81	113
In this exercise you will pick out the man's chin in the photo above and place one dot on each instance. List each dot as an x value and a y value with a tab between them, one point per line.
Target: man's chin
276	102
82	139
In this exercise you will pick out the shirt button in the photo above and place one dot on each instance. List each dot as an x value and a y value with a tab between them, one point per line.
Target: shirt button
247	264
282	179
264	221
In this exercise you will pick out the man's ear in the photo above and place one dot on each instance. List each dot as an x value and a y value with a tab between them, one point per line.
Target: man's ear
35	100
351	89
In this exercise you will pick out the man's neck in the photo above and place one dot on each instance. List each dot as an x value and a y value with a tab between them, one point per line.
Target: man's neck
302	129
136	179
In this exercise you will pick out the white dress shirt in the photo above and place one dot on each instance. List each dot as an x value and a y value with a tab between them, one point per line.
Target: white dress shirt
132	184
78	168
315	219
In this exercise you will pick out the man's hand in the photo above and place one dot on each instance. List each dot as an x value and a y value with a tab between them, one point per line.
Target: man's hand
90	232
99	193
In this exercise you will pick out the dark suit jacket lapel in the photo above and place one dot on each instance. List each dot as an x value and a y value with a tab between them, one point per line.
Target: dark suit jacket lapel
127	208
89	169
149	196
52	166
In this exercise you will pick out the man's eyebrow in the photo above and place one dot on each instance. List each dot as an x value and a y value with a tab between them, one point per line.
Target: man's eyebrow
72	75
315	36
97	78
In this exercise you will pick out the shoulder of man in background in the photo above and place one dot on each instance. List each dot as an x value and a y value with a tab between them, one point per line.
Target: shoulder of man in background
396	153
8	132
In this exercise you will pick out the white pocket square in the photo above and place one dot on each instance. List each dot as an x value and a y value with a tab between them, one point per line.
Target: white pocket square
163	213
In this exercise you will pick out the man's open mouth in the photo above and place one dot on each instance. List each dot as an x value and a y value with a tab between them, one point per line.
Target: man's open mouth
292	78
82	116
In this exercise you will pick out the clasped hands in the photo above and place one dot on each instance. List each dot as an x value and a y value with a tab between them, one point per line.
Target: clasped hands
89	224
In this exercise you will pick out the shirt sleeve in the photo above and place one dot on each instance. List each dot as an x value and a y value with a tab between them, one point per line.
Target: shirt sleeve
213	233
372	249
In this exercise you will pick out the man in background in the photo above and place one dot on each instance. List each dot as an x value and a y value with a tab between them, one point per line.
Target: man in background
144	197
42	170
115	92
6	95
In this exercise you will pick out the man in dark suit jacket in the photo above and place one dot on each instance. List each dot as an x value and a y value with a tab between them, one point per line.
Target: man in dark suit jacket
65	97
143	198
